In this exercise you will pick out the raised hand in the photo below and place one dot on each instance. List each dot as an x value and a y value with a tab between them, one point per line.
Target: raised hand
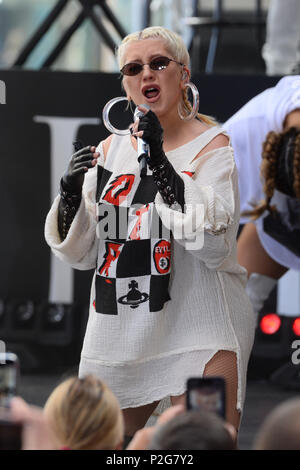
149	129
169	183
79	164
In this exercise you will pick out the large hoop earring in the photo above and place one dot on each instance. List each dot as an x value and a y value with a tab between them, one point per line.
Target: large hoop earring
105	116
195	105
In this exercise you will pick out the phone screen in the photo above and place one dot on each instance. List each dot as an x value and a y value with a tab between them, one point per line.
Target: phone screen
8	377
208	393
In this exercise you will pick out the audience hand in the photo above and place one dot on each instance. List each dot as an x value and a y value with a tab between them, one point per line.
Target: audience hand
35	435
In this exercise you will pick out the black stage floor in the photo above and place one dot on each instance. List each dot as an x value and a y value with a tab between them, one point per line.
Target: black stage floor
261	398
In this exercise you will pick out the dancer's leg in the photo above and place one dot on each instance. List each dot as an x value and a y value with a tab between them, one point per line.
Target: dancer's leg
223	364
136	418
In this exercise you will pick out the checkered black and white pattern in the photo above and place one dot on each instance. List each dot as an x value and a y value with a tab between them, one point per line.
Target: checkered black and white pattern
133	267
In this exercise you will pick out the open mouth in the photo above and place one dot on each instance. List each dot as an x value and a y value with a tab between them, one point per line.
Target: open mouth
151	92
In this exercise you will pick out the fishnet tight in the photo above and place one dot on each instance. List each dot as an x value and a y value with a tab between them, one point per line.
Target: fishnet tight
224	364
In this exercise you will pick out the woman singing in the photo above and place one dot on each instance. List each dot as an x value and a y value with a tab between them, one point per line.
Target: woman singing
169	303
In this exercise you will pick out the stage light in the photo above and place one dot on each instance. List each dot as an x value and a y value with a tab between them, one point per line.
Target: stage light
272	350
270	324
55	323
41	333
296	326
25	312
55	313
24	315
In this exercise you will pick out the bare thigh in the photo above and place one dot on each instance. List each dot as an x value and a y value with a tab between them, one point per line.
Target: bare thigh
253	257
136	418
224	364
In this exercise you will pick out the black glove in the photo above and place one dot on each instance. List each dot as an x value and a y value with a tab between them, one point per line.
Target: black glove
169	183
153	136
71	186
79	164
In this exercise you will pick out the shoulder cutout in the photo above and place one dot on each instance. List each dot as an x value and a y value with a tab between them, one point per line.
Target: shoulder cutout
106	143
219	141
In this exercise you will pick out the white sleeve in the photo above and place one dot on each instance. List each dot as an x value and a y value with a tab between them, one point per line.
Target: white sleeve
79	248
211	208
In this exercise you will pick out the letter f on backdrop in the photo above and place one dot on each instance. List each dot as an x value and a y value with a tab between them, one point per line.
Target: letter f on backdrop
63	131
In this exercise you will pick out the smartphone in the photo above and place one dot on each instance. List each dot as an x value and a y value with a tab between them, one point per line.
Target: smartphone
9	373
10	435
208	393
10	431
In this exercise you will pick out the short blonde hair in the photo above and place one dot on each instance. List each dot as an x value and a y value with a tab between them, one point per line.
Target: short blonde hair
84	414
173	42
176	47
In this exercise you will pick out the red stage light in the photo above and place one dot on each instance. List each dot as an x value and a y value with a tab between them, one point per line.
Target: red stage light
296	326
270	324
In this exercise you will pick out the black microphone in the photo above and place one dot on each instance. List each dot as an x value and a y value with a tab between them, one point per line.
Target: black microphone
142	147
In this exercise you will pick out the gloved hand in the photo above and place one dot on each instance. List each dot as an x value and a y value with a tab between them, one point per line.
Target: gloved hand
150	130
71	185
168	182
79	164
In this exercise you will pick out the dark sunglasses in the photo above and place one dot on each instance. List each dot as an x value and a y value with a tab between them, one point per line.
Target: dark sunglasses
159	63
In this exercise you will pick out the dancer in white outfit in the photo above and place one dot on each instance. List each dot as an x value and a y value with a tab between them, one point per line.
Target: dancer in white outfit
265	135
163	307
